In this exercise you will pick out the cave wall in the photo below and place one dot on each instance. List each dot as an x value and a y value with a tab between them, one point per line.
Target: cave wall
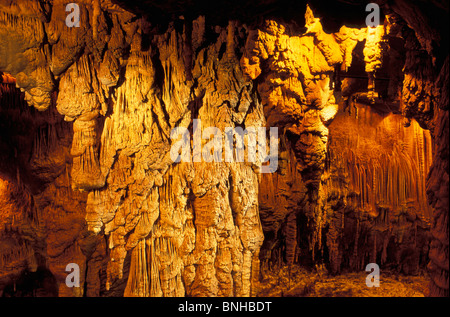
425	98
375	191
91	156
437	192
197	224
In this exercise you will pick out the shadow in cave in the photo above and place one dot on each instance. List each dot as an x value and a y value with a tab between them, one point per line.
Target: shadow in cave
41	283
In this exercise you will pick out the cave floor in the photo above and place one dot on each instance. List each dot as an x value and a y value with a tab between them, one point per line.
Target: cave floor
318	283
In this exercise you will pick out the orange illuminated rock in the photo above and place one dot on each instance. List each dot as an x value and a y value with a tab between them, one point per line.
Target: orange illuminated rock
88	178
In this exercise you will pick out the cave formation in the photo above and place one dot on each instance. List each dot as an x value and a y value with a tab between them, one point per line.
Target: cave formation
86	176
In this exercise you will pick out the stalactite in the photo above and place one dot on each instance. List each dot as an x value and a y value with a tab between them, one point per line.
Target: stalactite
291	237
121	83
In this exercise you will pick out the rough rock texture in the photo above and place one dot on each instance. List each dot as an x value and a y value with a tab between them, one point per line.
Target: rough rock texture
196	226
86	175
425	98
368	184
375	191
437	191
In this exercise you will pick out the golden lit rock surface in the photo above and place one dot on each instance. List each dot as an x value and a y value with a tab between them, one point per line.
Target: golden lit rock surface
86	175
